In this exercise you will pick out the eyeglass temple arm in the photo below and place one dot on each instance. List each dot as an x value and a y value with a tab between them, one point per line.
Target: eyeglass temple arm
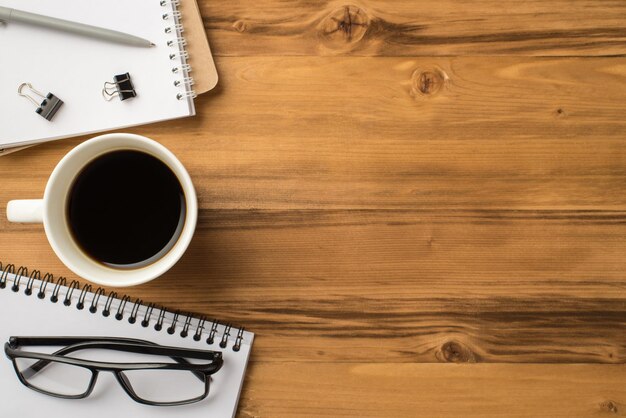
39	365
67	341
125	344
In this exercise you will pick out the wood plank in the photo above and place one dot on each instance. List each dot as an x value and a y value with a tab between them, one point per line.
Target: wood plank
426	390
416	27
402	286
336	133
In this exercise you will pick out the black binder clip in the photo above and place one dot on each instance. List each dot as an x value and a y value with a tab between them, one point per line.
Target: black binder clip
121	86
48	107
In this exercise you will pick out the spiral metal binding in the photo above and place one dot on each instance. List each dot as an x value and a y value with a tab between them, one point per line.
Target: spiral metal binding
159	324
188	80
181	96
44	284
146	318
211	337
238	340
186	326
61	281
225	336
175	27
34	280
120	309
184	67
21	272
81	299
107	306
175	14
6	270
133	312
172	329
183	54
96	298
34	275
198	335
180	42
70	291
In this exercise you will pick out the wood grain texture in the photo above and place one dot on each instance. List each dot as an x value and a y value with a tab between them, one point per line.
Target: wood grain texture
356	286
416	28
426	390
334	133
389	187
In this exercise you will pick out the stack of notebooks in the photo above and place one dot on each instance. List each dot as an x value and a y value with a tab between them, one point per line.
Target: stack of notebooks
166	77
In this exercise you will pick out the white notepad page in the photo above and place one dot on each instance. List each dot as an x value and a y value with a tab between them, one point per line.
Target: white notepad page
23	315
75	68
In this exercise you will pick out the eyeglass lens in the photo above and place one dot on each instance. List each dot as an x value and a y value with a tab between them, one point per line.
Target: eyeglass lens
57	378
152	385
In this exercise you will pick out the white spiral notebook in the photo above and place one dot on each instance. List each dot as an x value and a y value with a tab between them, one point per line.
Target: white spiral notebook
75	68
28	308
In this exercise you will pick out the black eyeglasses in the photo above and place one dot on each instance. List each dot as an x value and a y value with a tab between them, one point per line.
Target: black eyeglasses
167	383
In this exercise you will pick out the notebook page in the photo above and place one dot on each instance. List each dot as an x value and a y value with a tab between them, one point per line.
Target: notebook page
23	315
75	68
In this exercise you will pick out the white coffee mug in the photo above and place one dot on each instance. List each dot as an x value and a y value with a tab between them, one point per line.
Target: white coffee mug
51	210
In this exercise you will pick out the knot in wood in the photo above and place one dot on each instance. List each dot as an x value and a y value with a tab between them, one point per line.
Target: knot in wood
454	352
240	26
609	406
344	26
428	82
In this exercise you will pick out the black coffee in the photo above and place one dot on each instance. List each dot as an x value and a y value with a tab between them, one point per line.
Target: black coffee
125	207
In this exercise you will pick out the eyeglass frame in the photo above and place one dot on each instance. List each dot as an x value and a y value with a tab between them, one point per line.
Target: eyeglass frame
71	344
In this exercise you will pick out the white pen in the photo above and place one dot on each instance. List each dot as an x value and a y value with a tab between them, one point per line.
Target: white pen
8	15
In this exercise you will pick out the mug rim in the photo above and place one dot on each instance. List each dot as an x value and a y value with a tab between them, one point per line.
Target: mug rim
102	274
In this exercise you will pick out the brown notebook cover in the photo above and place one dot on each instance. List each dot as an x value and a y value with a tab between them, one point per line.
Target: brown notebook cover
203	68
200	58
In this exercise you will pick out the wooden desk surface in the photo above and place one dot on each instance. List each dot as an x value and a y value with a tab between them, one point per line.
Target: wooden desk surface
418	206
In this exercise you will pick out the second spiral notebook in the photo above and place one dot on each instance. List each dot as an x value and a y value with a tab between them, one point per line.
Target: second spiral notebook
75	69
36	304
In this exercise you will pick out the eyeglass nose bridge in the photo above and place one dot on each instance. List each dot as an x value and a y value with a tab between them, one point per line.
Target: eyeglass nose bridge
121	379
119	376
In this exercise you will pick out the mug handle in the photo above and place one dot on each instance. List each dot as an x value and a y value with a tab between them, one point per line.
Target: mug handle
26	211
